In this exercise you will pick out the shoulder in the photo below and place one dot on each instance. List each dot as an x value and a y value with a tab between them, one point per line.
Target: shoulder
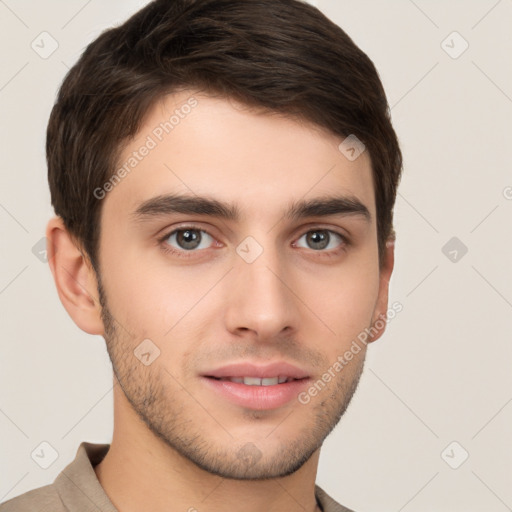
42	499
326	502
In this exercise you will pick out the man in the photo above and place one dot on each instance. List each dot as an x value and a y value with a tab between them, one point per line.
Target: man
223	174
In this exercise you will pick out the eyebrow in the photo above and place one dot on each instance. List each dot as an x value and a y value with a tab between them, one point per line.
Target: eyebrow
163	205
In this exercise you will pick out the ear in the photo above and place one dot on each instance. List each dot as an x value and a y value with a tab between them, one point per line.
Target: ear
379	319
74	277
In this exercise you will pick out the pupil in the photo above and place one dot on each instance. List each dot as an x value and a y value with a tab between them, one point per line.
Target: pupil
188	239
318	239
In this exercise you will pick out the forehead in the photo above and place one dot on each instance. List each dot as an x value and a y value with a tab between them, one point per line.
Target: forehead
195	144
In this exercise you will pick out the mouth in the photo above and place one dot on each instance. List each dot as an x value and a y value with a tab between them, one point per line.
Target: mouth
258	387
256	381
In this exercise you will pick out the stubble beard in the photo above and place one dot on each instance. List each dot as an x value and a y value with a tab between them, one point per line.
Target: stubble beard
151	391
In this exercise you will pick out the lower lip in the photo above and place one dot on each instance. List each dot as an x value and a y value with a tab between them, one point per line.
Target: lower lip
257	397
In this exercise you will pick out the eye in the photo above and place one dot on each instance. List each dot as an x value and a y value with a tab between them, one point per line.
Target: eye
187	239
320	239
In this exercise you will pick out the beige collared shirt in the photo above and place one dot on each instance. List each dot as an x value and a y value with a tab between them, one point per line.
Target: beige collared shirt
77	489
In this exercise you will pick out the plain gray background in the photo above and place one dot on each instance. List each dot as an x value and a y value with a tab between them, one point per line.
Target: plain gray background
436	388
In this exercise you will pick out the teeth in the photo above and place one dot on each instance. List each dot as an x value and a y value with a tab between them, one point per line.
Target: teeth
252	381
256	381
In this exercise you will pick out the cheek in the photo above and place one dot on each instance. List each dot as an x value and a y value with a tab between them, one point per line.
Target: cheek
347	297
137	299
155	300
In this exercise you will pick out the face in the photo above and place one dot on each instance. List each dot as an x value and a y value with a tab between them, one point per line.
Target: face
224	304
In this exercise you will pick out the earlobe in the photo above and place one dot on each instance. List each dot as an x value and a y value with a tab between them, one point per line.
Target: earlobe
74	278
379	319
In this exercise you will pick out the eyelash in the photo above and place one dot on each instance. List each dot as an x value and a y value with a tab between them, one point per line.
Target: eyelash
345	242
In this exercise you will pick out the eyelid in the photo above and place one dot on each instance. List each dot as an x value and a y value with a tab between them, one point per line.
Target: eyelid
345	241
167	234
341	231
313	226
183	226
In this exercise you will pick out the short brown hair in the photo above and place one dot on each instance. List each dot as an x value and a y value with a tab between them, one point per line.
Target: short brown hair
283	56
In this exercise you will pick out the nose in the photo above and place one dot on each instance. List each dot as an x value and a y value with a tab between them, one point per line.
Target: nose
261	298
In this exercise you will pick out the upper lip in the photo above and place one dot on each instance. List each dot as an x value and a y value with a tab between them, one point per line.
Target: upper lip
279	368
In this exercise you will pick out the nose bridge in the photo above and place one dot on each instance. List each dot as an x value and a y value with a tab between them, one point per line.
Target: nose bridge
259	298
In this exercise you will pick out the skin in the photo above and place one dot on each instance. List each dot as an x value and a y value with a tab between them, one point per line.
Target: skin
173	436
